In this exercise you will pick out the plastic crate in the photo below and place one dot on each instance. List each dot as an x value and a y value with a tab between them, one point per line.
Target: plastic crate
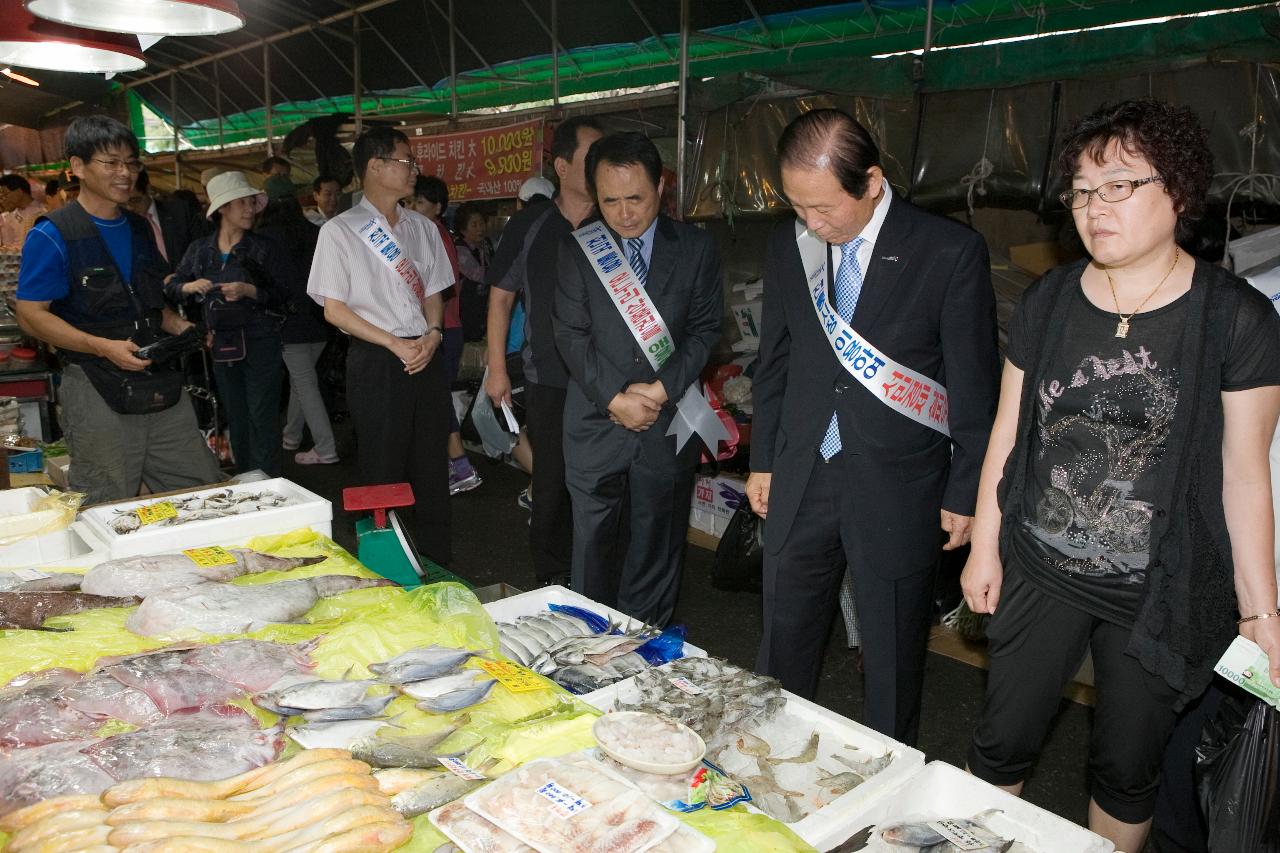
27	462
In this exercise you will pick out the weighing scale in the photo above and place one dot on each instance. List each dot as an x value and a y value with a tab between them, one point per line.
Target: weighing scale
383	542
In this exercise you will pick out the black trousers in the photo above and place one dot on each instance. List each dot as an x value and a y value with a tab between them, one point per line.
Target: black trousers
250	392
1036	644
551	525
801	598
402	433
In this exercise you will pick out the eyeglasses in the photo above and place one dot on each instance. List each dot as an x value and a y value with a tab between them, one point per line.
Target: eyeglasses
134	166
1110	192
412	164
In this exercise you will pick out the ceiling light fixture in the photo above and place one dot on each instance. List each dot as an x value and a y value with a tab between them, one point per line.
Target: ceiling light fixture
162	17
20	78
28	42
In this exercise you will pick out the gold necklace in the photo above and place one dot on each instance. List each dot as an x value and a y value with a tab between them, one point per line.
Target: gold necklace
1122	328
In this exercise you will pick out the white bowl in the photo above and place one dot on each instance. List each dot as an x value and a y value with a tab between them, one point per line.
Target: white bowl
650	766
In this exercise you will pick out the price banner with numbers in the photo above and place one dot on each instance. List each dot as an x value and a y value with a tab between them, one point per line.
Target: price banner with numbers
481	164
151	513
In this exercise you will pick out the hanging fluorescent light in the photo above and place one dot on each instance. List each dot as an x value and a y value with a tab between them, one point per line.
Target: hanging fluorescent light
163	17
28	42
19	78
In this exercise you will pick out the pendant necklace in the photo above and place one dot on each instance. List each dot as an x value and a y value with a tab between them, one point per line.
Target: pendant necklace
1122	327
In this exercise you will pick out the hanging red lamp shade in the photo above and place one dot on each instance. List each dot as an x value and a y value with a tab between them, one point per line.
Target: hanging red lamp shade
150	17
29	42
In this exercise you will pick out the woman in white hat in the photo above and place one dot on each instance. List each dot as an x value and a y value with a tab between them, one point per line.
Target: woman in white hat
243	281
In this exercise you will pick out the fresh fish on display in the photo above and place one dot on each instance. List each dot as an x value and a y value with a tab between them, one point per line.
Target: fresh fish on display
51	582
586	677
926	836
343	734
421	664
264	699
222	608
394	780
367	709
445	788
473	832
31	713
253	664
38	773
405	751
221	504
30	609
319	694
530	636
102	697
209	744
451	692
143	576
578	650
171	683
647	738
714	695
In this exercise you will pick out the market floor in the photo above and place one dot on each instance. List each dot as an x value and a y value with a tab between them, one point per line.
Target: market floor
490	545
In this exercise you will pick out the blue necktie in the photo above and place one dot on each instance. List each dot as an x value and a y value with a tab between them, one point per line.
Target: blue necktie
635	254
848	289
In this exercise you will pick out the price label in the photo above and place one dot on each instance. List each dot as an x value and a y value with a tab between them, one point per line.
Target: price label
515	678
564	803
152	513
457	768
207	558
685	685
959	835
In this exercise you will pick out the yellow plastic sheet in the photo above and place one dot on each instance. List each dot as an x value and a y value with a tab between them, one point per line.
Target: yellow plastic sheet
371	625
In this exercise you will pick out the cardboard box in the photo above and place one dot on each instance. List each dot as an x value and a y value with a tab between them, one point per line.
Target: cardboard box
714	501
1038	258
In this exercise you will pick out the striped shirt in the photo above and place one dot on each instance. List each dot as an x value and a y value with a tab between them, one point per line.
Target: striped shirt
347	269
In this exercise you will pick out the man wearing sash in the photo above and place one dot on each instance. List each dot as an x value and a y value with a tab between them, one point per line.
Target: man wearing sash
378	271
637	313
874	398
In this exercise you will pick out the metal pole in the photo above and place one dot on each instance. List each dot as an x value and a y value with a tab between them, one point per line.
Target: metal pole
453	68
555	53
681	124
266	93
928	26
217	104
356	72
173	113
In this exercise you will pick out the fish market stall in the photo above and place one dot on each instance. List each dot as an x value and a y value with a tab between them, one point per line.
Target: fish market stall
248	677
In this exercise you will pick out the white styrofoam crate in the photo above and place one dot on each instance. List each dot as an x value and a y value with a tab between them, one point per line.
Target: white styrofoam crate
72	547
834	822
307	510
536	601
939	790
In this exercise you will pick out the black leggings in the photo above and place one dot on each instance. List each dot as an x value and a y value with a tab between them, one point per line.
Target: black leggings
1036	645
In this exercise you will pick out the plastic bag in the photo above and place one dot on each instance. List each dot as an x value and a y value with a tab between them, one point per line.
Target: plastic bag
1238	776
482	418
739	562
48	514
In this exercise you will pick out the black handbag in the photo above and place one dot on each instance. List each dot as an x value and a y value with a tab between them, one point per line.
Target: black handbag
134	392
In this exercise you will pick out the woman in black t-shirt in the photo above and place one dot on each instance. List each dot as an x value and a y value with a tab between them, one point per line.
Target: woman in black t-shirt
1136	410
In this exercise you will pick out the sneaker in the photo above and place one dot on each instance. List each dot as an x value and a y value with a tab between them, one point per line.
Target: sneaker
524	500
310	457
459	483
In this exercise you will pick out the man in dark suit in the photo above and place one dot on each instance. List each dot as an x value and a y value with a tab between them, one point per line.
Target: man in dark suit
846	463
175	224
620	405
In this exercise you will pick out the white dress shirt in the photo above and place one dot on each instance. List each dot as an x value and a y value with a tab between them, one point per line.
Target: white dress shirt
871	232
347	269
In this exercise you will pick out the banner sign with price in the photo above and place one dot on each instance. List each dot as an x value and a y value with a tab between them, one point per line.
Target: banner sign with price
481	164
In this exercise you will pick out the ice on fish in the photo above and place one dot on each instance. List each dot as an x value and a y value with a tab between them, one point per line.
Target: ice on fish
421	664
222	608
29	609
343	734
146	575
38	773
203	746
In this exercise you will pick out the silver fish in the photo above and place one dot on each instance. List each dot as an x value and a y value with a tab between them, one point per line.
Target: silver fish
145	575
443	789
318	695
336	735
369	708
416	751
456	700
432	688
421	664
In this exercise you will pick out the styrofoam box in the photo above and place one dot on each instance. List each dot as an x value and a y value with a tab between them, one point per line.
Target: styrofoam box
73	546
307	510
834	822
536	601
939	790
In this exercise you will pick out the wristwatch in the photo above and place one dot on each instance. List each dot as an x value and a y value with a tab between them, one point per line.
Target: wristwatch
431	329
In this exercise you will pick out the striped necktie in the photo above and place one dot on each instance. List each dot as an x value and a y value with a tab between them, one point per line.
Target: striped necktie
848	289
635	254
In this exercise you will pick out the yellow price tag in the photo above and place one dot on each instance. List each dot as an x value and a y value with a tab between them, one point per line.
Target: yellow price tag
207	558
515	678
152	513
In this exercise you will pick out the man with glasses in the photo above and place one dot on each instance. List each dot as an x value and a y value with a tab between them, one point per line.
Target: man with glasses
90	285
379	270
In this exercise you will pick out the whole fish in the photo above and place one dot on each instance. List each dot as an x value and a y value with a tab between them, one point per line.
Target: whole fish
343	734
924	836
445	788
435	687
317	695
265	699
456	700
28	776
223	608
52	582
31	714
252	664
143	576
418	751
421	664
367	709
171	683
100	696
30	609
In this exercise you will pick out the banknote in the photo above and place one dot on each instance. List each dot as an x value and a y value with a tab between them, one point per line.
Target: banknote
1246	664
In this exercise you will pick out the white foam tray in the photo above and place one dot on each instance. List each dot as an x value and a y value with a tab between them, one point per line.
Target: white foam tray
939	790
76	546
536	601
834	822
307	510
